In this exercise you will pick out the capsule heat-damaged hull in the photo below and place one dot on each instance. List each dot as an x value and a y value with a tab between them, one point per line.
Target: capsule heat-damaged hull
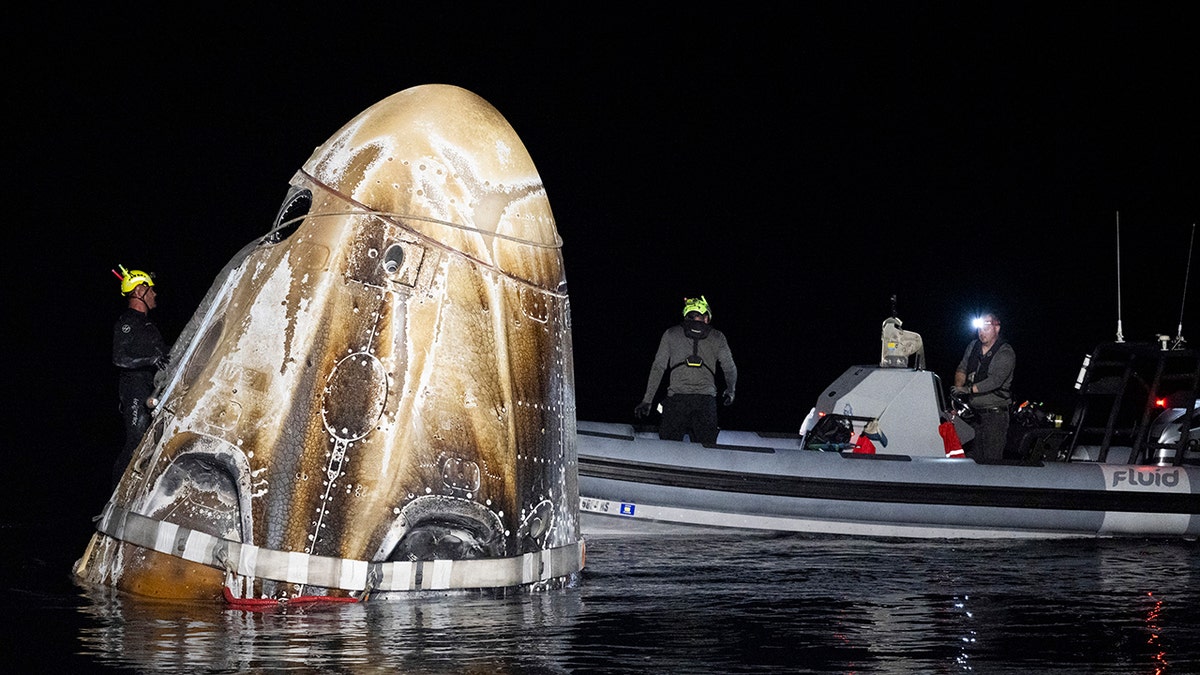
379	394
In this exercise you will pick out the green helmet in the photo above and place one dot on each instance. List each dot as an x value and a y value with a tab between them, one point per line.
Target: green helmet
131	279
696	305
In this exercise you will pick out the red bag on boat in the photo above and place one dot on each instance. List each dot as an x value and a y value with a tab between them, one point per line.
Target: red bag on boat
864	446
950	441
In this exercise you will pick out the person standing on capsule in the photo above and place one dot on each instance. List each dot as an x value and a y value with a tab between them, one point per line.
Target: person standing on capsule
691	352
139	352
984	375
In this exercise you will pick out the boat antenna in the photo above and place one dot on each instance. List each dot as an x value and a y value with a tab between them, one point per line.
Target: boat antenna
894	305
1187	270
1120	337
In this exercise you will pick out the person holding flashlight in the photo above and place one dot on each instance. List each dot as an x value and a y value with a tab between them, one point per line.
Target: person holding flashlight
984	379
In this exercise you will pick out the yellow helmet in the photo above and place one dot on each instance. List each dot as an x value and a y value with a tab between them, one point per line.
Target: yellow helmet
696	305
131	279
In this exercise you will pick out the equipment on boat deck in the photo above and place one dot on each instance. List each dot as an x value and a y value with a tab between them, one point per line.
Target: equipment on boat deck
1137	405
899	345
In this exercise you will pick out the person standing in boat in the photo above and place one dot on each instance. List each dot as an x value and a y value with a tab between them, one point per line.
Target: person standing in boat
984	377
691	352
139	352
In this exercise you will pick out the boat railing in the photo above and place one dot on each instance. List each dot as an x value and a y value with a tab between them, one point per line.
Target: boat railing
1123	390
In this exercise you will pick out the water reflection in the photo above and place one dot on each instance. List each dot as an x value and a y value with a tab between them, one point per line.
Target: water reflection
727	604
430	633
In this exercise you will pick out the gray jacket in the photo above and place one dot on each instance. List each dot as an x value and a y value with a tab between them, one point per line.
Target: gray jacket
675	349
996	376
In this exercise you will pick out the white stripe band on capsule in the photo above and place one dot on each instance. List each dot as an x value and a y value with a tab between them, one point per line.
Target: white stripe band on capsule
347	574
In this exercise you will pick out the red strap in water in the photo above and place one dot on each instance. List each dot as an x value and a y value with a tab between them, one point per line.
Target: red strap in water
264	603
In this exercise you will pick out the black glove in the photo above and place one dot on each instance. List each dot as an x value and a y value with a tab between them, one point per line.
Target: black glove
961	391
642	410
728	397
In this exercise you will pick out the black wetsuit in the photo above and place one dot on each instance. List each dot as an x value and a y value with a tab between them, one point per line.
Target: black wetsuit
138	351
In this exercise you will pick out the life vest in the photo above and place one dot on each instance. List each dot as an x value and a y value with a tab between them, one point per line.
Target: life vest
978	363
697	331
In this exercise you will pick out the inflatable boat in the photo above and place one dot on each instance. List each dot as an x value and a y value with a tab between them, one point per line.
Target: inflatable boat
880	454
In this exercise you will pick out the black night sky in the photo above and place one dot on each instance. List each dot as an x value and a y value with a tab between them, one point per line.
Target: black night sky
797	164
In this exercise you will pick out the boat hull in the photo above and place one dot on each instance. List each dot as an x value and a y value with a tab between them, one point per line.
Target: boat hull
631	482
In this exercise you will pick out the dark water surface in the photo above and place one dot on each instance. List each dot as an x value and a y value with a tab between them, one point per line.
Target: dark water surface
728	603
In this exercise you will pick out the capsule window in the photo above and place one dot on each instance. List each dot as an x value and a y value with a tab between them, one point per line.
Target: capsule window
401	262
295	207
393	259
